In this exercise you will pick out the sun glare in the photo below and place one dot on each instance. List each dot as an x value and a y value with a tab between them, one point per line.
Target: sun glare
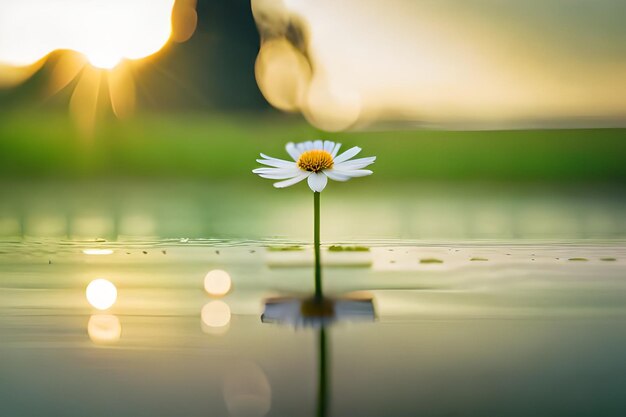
105	32
99	40
103	60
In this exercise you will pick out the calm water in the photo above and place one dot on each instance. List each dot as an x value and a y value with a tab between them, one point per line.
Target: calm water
492	304
356	211
518	330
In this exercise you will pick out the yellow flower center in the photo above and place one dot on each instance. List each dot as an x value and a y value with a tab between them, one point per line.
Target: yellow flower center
315	160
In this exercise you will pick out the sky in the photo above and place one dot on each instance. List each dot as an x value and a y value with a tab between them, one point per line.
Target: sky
354	64
447	63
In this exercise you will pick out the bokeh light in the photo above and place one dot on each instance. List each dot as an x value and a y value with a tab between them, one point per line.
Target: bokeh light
104	328
283	74
215	314
95	251
451	64
101	293
247	391
217	282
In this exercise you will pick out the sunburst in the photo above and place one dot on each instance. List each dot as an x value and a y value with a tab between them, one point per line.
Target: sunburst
117	84
101	58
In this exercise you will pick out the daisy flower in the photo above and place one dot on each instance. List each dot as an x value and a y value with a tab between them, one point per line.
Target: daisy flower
315	161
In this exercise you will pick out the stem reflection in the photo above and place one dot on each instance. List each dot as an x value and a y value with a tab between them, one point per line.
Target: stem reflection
322	393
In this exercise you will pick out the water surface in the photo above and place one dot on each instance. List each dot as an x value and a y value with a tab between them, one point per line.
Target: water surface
468	300
493	329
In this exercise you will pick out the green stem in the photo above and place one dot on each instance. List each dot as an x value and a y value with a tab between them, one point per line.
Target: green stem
316	241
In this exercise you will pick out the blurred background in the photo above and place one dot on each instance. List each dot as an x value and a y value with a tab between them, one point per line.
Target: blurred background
490	120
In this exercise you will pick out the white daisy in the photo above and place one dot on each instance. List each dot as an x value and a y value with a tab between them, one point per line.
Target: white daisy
317	161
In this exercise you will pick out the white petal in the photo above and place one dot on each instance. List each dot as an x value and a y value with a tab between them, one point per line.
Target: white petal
351	167
277	173
274	162
267	170
301	147
355	172
336	176
347	154
318	144
317	181
329	145
292	181
355	163
277	176
293	151
335	149
308	145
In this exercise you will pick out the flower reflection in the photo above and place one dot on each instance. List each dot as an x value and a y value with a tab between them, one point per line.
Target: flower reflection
215	317
104	328
308	312
247	391
320	314
101	293
217	282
